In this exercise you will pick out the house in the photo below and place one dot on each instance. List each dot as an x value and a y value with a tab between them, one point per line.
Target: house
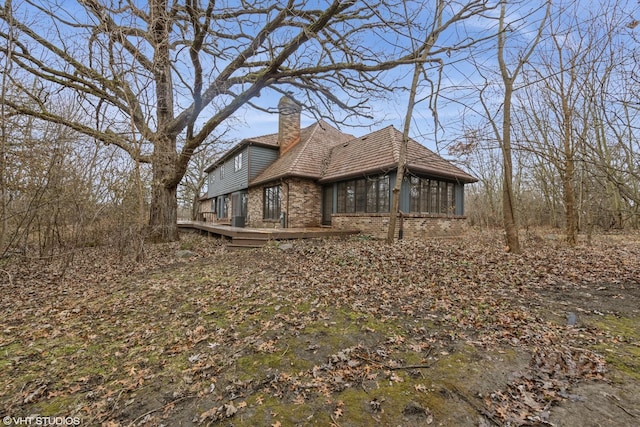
318	176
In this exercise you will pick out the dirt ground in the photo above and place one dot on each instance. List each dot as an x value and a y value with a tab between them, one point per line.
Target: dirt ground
330	333
610	305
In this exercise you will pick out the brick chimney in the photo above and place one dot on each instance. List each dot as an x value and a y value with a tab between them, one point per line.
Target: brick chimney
289	124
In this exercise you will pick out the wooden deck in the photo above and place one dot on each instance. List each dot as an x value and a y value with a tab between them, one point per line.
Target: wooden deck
246	237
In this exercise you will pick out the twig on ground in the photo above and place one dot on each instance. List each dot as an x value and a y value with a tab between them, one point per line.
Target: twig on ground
473	404
391	368
625	410
615	400
173	402
397	368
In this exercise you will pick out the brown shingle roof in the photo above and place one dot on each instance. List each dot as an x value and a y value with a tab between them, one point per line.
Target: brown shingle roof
307	157
326	154
271	139
379	151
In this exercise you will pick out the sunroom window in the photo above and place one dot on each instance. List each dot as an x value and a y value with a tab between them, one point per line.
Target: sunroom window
431	196
364	195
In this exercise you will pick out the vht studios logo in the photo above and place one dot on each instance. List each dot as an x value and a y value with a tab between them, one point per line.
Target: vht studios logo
41	421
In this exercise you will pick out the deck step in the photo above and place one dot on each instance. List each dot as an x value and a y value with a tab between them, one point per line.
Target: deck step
248	242
233	247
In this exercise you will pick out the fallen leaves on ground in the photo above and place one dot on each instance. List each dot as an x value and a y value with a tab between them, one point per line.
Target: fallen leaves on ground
116	342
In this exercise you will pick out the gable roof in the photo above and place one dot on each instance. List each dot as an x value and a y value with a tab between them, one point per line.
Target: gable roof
379	152
270	140
307	158
326	154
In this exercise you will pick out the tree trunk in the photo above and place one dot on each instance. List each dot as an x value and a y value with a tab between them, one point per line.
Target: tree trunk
508	199
567	171
163	219
570	201
402	155
395	202
4	147
195	206
508	203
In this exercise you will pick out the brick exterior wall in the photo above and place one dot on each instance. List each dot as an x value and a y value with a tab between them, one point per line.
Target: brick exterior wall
254	209
414	226
305	201
301	200
288	124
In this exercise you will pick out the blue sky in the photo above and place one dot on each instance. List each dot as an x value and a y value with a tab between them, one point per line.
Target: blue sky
391	110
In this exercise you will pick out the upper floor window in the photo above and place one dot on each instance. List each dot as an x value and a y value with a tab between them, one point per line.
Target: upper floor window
222	171
237	163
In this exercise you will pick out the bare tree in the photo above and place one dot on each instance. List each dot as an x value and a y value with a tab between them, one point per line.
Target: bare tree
50	203
574	123
503	131
4	137
177	71
195	178
570	113
427	53
558	103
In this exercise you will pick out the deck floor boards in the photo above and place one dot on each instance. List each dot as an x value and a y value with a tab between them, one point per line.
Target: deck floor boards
240	234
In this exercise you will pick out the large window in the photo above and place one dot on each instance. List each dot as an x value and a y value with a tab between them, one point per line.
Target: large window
364	195
222	210
239	202
431	196
272	197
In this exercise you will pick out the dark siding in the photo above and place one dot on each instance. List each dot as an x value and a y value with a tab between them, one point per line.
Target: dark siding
211	182
233	180
459	190
260	158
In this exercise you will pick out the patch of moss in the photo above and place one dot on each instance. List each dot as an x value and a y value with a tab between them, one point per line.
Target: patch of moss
622	348
187	245
448	366
65	350
58	406
345	321
268	410
621	326
412	358
7	353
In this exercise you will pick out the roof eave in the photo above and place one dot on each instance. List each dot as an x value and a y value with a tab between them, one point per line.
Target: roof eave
240	145
467	179
460	177
226	155
360	173
258	181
